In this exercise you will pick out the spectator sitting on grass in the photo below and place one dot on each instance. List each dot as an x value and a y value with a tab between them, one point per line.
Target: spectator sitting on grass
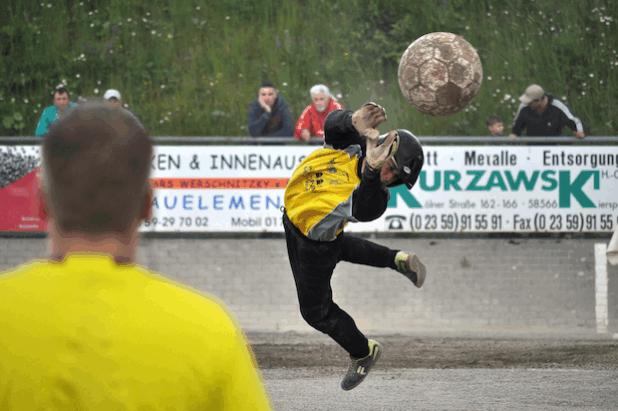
52	113
495	126
543	115
311	121
270	114
112	98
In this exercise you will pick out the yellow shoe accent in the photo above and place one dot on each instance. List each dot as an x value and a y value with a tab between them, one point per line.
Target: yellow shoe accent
410	266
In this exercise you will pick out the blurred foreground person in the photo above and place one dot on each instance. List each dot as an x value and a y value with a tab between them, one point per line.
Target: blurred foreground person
88	328
345	181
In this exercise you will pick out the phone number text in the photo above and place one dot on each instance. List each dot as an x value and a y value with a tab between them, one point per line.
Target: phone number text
572	222
175	222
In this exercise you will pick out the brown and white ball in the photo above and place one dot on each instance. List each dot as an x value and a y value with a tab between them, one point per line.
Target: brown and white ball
440	73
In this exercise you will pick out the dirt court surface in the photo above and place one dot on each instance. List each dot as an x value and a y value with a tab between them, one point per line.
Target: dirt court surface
445	350
444	371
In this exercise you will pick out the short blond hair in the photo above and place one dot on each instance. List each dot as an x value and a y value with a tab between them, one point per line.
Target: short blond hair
96	168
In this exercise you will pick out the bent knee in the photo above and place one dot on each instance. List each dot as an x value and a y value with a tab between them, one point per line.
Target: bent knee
319	317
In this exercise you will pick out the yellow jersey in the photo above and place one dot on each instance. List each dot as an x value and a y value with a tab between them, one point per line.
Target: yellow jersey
89	334
318	197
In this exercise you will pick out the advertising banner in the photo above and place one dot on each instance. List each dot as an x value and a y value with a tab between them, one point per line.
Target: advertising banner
221	188
479	189
18	189
510	189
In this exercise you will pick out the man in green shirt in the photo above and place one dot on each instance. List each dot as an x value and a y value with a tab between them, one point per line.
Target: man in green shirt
51	113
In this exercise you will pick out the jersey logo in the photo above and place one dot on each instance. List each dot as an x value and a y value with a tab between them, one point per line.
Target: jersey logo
312	180
344	174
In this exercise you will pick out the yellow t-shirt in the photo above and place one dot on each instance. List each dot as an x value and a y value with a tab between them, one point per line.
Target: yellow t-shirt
90	334
318	197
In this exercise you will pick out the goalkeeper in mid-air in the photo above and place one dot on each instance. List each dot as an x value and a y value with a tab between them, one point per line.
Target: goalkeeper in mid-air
347	180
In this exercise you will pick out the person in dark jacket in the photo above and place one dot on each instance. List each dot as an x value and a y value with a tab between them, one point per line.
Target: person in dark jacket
543	115
347	181
270	114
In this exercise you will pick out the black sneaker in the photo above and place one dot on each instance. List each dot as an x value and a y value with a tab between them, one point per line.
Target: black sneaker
360	367
410	266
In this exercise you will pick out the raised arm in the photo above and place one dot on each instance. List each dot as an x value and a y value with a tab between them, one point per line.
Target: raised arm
257	118
339	132
288	123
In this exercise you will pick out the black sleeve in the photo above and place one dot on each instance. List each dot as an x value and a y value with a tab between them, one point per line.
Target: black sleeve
288	122
257	118
339	131
370	199
519	124
570	119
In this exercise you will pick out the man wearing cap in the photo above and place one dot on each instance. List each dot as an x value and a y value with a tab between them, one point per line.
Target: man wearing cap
112	97
269	114
543	115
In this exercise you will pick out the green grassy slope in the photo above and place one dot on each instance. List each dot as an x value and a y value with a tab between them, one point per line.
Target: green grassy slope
191	67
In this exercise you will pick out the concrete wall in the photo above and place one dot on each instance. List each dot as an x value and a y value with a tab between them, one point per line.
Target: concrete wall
472	284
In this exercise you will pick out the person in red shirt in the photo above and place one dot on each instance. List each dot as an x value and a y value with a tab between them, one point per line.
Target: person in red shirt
311	121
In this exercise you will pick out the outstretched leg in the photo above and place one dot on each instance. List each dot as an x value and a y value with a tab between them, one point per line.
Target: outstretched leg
360	251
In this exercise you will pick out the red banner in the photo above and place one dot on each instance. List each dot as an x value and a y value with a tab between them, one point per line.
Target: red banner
20	207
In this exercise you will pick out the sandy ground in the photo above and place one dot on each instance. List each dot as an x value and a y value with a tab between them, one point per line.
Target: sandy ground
445	371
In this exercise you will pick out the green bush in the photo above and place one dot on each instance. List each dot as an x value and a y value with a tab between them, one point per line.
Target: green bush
191	68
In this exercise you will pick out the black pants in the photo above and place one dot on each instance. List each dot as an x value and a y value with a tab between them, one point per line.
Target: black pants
313	263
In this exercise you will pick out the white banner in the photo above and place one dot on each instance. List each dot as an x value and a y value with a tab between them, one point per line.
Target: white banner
510	189
461	189
221	188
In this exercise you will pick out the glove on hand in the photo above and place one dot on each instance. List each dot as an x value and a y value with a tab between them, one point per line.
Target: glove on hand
369	116
380	152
